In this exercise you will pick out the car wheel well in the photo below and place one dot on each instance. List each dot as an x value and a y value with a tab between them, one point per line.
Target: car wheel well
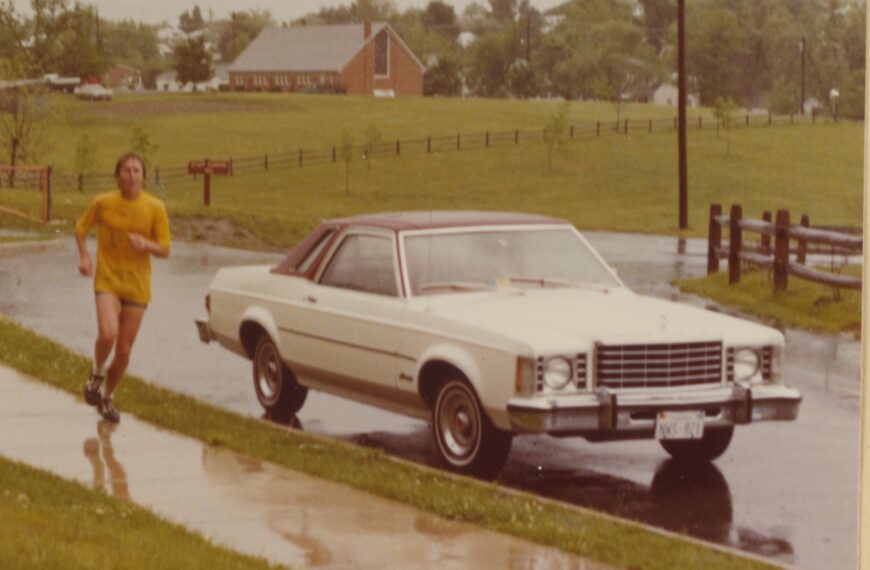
250	333
433	374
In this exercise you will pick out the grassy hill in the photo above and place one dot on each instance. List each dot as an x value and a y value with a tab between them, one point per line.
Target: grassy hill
616	181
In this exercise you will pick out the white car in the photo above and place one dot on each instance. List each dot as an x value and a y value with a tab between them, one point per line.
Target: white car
491	325
93	92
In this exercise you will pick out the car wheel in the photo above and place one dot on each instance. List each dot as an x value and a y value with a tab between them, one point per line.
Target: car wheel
467	441
277	389
712	445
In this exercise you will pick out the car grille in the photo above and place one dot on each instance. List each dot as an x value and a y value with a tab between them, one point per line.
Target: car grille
658	365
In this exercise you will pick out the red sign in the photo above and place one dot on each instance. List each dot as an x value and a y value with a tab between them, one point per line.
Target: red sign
208	167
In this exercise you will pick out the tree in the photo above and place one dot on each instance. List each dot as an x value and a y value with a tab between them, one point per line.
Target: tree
346	152
658	18
372	139
192	21
522	80
192	61
85	155
248	26
491	58
503	10
554	132
141	144
444	78
24	113
440	18
723	110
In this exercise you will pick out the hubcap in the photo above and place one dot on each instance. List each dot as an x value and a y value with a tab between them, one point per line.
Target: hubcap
268	372
459	425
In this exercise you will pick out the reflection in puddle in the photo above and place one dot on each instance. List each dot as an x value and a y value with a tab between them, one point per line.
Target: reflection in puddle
101	455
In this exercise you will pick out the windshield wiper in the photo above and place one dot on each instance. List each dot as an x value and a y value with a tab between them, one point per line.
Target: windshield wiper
453	286
553	282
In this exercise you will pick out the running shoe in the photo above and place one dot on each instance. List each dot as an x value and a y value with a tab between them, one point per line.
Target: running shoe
91	389
108	411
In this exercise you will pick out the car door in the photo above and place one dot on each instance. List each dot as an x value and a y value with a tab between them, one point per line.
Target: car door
346	333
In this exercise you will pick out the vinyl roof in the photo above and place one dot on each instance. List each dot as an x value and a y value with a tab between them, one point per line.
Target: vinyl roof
399	221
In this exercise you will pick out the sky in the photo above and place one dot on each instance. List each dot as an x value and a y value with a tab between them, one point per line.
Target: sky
156	11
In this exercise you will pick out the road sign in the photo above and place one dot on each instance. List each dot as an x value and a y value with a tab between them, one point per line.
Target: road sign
208	167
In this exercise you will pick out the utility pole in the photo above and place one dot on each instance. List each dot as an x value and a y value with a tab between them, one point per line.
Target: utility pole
233	18
803	70
529	36
681	110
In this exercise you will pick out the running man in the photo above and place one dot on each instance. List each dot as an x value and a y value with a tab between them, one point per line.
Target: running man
132	226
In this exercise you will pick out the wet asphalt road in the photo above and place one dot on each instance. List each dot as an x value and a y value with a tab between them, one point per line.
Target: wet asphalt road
786	491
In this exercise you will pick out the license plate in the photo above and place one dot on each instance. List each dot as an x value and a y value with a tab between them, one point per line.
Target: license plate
680	425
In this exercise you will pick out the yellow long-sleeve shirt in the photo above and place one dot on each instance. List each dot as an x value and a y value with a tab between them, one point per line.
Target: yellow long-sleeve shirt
121	270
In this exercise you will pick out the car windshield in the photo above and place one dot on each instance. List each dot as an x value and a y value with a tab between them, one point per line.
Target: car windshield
477	260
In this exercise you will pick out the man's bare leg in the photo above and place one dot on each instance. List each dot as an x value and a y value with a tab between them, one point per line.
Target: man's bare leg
128	327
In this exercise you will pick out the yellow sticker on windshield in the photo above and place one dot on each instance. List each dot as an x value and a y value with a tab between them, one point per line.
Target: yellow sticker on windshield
502	282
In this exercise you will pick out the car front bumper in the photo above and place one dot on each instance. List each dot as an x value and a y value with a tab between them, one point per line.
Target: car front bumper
616	415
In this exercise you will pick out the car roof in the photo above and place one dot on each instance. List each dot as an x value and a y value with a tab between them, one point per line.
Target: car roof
401	221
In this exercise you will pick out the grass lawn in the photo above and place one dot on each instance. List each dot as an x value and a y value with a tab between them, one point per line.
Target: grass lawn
806	305
574	530
52	523
615	182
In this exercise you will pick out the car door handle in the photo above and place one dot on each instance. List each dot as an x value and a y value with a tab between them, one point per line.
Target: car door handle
310	299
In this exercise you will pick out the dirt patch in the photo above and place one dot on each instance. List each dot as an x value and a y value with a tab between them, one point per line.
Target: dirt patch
215	231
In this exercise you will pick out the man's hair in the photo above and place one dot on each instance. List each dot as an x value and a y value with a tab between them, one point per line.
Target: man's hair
130	156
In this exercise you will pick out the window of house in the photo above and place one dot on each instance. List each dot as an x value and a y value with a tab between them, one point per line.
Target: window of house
363	263
382	54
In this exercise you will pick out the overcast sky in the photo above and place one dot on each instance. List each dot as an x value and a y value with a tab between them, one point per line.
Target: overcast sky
156	11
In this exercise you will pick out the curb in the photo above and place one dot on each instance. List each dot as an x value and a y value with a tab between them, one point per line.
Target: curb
31	247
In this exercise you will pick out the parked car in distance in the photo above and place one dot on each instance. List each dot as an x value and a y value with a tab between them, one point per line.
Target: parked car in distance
93	92
491	325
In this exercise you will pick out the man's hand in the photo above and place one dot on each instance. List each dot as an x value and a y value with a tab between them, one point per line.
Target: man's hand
139	243
86	265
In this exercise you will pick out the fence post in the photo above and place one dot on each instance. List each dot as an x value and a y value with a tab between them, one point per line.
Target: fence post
735	242
429	144
486	142
650	125
571	132
300	157
333	153
398	148
626	126
458	141
598	129
765	238
714	239
780	257
47	210
700	123
517	136
802	243
266	162
717	127
747	119
81	183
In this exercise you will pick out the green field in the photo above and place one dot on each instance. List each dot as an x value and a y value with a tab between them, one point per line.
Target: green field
616	182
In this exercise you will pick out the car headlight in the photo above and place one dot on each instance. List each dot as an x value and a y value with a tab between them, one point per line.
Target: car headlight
557	373
747	362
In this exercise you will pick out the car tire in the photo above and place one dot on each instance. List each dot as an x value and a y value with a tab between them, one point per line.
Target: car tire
467	441
712	445
277	389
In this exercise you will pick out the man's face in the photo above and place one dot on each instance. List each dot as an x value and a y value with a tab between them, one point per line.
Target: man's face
130	175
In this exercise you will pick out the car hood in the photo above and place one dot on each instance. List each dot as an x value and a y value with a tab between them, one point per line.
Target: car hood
567	318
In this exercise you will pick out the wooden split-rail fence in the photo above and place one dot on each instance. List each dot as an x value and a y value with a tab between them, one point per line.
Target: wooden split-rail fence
776	257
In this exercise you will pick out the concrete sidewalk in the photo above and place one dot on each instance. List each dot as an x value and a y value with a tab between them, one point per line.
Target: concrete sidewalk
240	502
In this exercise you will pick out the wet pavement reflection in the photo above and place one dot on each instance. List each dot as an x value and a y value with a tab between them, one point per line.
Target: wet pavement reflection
783	490
101	455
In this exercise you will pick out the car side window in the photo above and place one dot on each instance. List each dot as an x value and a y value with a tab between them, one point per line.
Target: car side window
305	264
363	263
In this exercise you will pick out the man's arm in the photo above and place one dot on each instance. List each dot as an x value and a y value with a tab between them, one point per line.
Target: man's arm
141	243
86	264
